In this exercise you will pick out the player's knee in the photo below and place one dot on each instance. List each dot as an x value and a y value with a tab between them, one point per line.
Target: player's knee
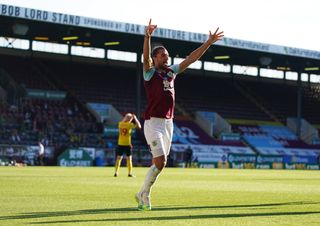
160	162
160	166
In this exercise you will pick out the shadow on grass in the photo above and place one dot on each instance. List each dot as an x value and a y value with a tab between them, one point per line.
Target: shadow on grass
32	215
182	217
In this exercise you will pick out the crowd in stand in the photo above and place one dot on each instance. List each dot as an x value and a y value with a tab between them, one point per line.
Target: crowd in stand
59	121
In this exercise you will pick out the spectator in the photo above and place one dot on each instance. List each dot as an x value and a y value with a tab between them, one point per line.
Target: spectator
188	157
41	153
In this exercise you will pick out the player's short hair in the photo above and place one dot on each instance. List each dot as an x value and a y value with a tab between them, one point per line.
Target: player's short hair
156	49
127	117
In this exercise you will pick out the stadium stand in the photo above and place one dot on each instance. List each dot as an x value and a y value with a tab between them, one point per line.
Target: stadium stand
281	98
27	74
199	93
97	83
59	120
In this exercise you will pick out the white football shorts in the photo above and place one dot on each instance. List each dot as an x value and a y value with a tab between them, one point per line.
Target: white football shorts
158	133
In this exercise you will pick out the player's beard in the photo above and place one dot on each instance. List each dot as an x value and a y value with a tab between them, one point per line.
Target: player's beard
164	66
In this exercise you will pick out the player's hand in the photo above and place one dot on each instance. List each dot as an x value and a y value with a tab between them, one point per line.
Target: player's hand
150	28
217	35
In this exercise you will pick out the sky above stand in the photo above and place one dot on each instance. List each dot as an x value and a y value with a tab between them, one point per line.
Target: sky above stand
293	23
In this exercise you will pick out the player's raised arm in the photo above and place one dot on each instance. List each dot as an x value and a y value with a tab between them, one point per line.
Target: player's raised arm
135	119
196	54
147	60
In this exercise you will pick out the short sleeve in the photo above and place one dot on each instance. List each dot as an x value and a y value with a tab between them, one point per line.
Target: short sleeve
147	75
175	68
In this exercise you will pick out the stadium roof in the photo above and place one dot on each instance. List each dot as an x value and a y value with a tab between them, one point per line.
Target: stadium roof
26	23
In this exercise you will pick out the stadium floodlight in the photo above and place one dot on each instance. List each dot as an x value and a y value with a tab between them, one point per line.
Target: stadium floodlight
284	68
311	69
111	43
20	29
83	43
70	38
221	57
39	38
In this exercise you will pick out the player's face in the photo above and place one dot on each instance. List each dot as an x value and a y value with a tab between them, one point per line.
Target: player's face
161	59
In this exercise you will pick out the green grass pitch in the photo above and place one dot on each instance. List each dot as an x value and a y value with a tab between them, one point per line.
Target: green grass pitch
92	196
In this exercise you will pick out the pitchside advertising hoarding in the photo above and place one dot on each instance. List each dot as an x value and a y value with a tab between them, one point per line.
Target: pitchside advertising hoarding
28	154
85	156
207	154
75	157
73	20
